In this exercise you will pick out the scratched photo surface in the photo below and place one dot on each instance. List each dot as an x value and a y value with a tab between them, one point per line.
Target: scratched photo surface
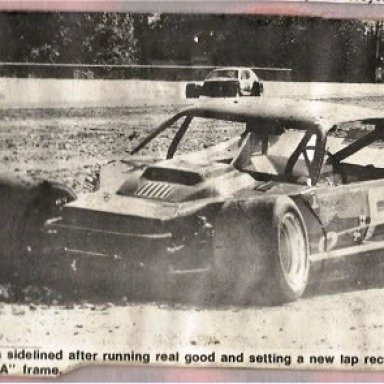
196	190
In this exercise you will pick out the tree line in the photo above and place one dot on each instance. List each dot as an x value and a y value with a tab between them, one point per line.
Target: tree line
315	48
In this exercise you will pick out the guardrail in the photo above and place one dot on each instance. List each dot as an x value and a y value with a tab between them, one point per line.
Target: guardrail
129	71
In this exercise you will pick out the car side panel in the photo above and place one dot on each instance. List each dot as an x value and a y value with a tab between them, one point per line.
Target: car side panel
350	214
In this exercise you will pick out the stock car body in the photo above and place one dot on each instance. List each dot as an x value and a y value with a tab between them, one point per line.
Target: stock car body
291	184
227	82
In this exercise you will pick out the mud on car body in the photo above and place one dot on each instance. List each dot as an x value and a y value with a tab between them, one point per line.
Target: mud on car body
227	82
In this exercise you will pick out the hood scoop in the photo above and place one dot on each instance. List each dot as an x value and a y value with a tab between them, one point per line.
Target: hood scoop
161	182
182	172
172	175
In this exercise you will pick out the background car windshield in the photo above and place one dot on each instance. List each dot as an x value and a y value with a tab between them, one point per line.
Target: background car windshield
224	73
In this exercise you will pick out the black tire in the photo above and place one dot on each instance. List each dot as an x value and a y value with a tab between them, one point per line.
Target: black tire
240	229
31	246
257	88
252	262
192	91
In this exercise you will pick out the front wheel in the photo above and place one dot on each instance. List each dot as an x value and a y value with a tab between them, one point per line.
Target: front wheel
261	253
192	91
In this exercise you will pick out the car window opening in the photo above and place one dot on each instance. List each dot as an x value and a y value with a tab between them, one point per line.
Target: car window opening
354	152
281	153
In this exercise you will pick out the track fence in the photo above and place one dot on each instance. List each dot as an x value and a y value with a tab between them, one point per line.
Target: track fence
131	71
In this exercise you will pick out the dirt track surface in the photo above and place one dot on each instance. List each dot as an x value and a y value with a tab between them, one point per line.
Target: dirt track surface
69	145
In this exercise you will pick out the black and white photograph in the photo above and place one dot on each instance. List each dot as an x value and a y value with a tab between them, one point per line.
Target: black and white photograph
189	189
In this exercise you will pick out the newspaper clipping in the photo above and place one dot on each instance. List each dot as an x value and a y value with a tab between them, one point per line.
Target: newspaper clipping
196	190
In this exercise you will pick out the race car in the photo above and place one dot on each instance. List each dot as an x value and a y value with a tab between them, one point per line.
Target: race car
244	195
292	184
227	82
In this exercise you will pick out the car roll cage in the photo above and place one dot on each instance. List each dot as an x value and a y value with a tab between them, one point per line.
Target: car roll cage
314	166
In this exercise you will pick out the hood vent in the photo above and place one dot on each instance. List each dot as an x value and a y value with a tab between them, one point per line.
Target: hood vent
154	190
172	175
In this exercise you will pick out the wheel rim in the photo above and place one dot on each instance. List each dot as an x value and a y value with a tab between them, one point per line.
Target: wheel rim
293	251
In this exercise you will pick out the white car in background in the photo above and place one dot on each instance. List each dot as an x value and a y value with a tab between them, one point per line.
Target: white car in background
227	82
